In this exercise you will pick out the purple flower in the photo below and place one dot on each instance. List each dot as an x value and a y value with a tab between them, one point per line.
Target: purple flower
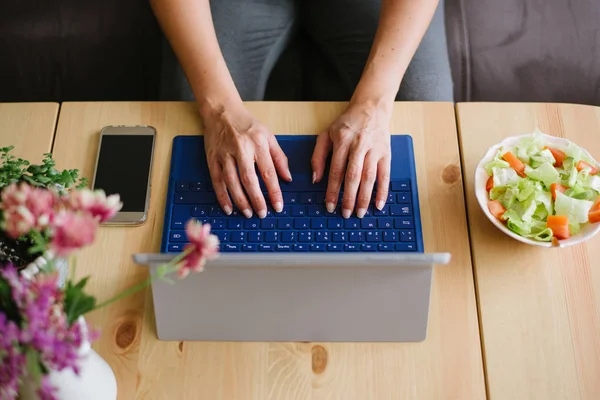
12	360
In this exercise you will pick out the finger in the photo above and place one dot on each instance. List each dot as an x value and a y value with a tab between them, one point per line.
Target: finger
234	186
216	176
266	167
280	160
356	159
250	182
336	174
369	173
319	158
383	181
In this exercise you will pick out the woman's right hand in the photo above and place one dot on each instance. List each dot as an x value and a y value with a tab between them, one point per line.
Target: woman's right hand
235	141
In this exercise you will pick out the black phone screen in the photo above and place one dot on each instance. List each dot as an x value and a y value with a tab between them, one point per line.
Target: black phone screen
124	168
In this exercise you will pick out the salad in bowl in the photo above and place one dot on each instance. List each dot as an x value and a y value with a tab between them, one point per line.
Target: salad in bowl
540	189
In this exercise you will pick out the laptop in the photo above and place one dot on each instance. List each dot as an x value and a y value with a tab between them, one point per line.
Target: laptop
300	275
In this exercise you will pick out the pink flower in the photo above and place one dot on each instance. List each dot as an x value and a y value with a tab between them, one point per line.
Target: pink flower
40	203
203	246
14	195
72	231
18	221
95	203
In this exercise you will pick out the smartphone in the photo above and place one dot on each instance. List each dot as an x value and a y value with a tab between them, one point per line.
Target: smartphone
124	167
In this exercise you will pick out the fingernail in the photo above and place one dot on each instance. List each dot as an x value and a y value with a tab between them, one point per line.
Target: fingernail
278	207
330	207
262	213
361	212
289	175
227	210
346	213
380	204
247	213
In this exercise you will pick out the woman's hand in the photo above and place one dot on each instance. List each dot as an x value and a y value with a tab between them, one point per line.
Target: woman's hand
360	139
235	141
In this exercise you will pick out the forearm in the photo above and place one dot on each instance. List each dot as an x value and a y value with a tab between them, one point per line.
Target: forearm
188	26
402	24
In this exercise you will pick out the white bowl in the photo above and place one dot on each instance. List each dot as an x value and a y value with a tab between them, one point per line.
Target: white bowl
481	177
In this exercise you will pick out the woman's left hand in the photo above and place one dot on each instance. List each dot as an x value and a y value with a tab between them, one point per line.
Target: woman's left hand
360	140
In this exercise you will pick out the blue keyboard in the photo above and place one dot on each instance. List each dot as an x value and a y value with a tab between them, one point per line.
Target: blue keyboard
304	225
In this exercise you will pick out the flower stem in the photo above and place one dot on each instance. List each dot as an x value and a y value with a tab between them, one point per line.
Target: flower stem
172	266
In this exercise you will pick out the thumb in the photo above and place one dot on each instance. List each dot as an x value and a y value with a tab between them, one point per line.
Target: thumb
322	150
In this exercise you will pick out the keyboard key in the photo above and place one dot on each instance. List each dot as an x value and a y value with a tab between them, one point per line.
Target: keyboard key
199	211
320	198
249	247
403	223
266	247
390	236
306	198
272	236
405	246
196	186
298	211
386	247
291	198
322	236
268	223
234	223
215	211
385	223
300	247
318	223
352	223
251	224
222	235
254	236
391	198
318	247
335	247
316	211
368	247
305	237
283	247
373	236
339	236
227	247
237	236
288	236
179	217
400	210
407	236
284	213
335	223
403	198
176	247
195	198
352	247
302	223
384	212
368	223
400	185
178	236
285	223
182	186
356	236
218	223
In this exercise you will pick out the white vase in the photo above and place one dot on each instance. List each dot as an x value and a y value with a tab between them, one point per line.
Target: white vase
96	380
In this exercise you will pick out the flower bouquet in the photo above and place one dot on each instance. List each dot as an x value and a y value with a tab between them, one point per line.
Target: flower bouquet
41	324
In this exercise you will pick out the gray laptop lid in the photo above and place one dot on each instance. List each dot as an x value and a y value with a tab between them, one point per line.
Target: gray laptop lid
358	297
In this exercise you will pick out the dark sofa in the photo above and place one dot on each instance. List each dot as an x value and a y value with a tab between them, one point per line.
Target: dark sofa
501	50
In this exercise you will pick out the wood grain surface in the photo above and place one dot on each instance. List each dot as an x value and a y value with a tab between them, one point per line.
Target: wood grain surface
539	308
448	365
29	127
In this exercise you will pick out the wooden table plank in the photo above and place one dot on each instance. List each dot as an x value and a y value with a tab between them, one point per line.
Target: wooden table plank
539	308
447	365
29	127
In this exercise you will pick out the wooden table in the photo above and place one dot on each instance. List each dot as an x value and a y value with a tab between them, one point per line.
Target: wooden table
29	127
448	365
539	308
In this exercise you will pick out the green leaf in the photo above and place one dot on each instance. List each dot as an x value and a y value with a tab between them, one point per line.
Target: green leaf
34	365
77	303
